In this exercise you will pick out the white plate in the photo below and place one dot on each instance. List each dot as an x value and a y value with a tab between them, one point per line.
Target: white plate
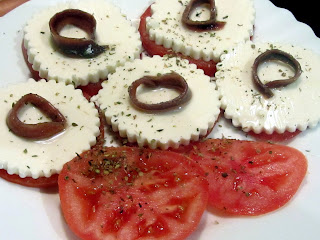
33	214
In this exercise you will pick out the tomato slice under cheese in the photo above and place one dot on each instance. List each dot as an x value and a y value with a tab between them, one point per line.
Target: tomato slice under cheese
47	182
132	193
88	90
42	182
274	137
209	67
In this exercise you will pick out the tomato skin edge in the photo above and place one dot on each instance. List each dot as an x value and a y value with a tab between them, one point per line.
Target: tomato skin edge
274	137
42	182
209	67
34	73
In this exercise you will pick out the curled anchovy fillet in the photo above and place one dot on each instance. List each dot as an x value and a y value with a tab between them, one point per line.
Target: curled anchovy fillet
271	55
39	130
169	80
210	24
75	47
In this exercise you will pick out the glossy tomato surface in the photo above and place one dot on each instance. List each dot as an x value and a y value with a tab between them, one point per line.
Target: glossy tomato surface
248	178
42	182
132	193
209	67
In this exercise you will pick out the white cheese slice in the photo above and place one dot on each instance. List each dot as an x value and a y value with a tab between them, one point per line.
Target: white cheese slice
29	158
294	107
162	129
113	29
165	27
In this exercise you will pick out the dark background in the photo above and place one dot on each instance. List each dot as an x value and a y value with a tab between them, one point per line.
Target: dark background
306	11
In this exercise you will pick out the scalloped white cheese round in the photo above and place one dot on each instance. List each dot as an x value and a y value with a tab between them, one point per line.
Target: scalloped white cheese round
112	29
296	106
29	158
165	27
165	128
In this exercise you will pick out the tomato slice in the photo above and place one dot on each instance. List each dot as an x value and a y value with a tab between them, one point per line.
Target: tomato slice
91	89
274	137
132	193
209	67
42	182
248	178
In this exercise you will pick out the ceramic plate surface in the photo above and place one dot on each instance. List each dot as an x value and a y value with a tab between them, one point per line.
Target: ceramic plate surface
32	214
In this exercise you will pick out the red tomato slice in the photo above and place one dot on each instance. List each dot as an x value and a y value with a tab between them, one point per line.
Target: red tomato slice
42	182
131	193
91	89
209	67
275	137
248	178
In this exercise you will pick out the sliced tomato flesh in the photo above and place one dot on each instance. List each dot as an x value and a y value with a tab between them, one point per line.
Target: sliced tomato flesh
132	193
248	178
150	46
91	89
42	182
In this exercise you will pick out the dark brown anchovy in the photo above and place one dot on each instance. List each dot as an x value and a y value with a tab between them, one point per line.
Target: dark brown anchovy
210	24
40	130
169	80
75	47
270	55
